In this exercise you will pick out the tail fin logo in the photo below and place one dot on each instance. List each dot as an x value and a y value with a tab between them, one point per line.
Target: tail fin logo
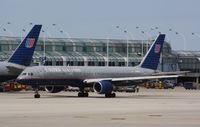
30	42
157	48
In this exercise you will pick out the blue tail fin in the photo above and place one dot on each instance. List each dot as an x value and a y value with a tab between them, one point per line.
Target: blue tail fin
151	59
24	52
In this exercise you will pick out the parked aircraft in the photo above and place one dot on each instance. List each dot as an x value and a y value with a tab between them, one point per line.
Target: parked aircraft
102	79
21	57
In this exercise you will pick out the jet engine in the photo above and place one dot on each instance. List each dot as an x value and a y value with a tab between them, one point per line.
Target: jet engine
54	89
103	87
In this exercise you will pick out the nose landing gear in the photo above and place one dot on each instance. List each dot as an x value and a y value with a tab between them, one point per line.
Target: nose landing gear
37	95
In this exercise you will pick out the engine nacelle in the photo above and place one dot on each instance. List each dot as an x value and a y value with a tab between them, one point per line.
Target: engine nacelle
54	89
103	87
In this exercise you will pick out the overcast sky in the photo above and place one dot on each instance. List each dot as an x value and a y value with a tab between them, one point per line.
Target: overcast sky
99	18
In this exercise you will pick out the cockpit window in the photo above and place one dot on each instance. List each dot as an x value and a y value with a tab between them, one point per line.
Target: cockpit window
23	73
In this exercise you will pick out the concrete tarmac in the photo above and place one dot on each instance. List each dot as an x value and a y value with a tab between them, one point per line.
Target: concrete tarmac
148	108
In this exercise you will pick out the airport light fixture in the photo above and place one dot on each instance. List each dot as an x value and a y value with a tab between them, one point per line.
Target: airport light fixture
8	31
63	32
156	28
195	34
8	23
67	34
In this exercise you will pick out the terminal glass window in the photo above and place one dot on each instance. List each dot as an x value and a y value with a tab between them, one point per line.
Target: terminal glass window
59	63
99	49
79	49
48	47
58	47
104	49
101	63
119	49
5	47
121	63
90	49
70	63
68	48
91	63
110	49
111	63
48	63
80	63
39	47
14	47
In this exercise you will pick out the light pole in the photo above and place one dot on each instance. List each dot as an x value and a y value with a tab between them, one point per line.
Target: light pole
195	34
149	37
43	58
44	45
127	51
184	39
23	31
127	42
107	45
168	38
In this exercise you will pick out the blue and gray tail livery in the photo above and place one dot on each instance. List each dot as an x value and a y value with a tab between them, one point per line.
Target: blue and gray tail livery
151	59
24	52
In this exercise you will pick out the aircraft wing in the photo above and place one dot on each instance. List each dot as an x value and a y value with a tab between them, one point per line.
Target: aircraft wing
130	78
171	73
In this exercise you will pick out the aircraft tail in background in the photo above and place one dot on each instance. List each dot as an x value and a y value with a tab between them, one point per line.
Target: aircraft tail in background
24	52
152	57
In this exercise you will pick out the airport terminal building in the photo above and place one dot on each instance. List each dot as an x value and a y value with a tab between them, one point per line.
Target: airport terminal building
100	52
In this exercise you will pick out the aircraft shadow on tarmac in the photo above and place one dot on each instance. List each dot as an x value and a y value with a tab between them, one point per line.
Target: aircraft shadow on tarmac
146	96
29	95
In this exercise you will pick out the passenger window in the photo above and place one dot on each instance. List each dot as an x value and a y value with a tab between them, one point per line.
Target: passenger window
30	74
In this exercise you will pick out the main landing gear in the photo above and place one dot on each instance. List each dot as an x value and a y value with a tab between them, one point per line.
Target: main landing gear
110	95
37	95
82	93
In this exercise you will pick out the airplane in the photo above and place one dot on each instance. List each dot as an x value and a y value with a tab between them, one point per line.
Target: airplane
21	57
102	79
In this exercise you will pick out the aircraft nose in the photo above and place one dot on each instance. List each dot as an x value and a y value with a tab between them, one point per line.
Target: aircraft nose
19	79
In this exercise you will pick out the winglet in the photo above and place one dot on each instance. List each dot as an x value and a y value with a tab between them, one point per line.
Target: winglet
151	59
24	52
